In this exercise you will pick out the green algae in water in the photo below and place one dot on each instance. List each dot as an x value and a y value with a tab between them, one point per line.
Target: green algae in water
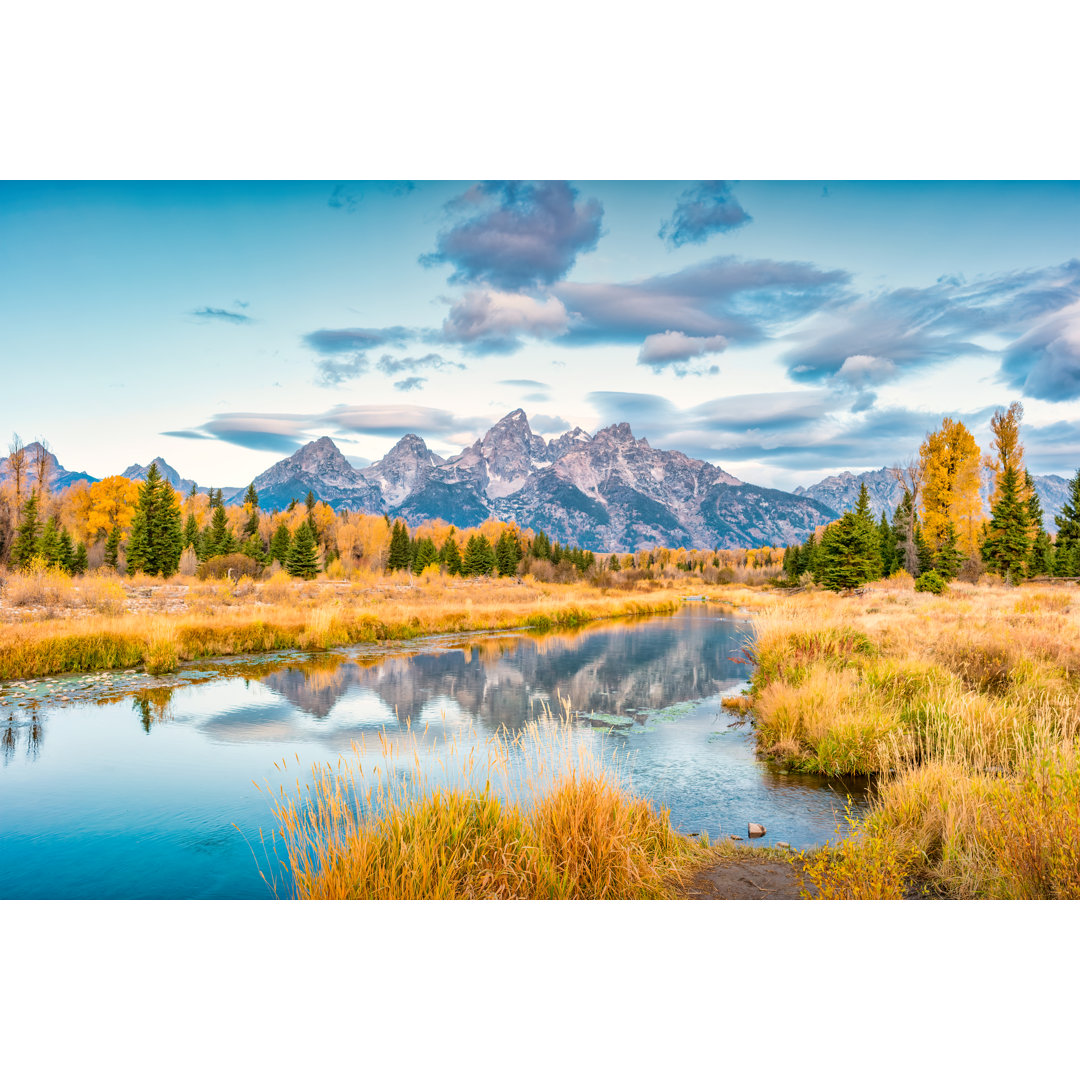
671	713
610	719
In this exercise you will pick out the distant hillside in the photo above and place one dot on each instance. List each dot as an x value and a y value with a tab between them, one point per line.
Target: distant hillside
609	491
841	493
59	477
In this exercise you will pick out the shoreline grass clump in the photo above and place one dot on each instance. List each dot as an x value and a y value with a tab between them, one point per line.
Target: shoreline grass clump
535	817
964	708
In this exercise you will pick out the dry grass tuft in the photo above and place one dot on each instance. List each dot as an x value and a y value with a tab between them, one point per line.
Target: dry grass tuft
533	818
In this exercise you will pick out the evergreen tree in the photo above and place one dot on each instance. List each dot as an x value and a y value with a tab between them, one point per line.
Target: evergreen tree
450	556
80	563
479	558
948	558
905	522
1041	561
194	490
1007	544
808	556
26	537
541	546
157	538
49	542
1067	543
425	555
216	499
849	554
67	551
291	507
890	549
218	538
280	543
112	547
614	564
398	557
924	552
869	537
303	558
253	549
191	533
251	496
508	555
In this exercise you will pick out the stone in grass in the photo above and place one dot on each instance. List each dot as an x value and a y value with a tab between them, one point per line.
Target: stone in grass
754	830
782	844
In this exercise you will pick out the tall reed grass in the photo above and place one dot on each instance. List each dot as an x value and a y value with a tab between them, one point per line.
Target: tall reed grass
539	816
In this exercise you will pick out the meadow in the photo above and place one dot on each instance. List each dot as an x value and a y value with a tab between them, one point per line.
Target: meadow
965	708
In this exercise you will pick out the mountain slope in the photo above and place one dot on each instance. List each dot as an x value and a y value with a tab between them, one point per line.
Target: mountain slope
59	477
138	473
609	491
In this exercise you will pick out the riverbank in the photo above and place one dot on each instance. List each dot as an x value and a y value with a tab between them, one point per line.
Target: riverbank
184	622
966	707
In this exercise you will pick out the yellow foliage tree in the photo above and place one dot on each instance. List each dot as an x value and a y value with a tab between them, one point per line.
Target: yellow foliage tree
94	511
949	461
1008	450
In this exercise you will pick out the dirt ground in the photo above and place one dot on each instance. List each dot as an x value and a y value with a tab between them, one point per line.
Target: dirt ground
746	879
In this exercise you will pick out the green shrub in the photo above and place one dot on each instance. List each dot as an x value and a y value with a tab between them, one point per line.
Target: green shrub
931	582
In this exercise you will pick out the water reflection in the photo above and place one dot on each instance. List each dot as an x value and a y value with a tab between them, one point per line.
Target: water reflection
149	777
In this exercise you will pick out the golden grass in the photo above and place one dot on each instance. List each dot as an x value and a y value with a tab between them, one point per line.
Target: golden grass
534	818
966	707
225	618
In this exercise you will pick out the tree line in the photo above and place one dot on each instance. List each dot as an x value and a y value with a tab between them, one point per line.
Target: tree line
939	530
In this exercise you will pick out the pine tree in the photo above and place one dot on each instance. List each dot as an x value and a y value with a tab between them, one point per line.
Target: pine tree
947	562
398	557
869	537
80	563
541	546
614	564
450	556
67	551
49	542
112	547
218	539
26	537
1067	543
849	554
157	538
905	522
280	543
216	499
303	558
890	549
809	556
1007	545
191	533
508	554
924	552
425	555
251	496
479	558
1041	561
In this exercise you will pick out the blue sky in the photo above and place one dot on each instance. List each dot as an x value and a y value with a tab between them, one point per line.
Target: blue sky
783	330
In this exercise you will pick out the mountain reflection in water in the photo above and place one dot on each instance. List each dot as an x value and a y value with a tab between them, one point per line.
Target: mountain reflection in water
158	787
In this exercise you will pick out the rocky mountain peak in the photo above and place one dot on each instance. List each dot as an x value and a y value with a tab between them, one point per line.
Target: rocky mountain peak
169	474
406	467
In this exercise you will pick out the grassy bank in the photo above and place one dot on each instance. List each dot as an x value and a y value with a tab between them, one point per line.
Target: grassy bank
222	620
967	709
535	818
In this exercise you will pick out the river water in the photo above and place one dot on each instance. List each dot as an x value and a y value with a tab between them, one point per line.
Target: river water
124	785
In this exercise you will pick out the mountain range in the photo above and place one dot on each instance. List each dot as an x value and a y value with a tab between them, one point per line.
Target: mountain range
609	491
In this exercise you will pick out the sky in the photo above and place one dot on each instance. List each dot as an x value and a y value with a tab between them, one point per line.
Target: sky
782	330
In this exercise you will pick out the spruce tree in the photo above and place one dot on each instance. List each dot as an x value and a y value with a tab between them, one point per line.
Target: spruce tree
1041	561
80	563
849	554
49	542
398	557
924	552
947	562
905	522
112	547
426	555
1067	543
67	551
614	564
191	533
1007	544
450	556
869	537
280	544
508	554
478	558
541	546
157	538
218	539
303	558
26	537
890	549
